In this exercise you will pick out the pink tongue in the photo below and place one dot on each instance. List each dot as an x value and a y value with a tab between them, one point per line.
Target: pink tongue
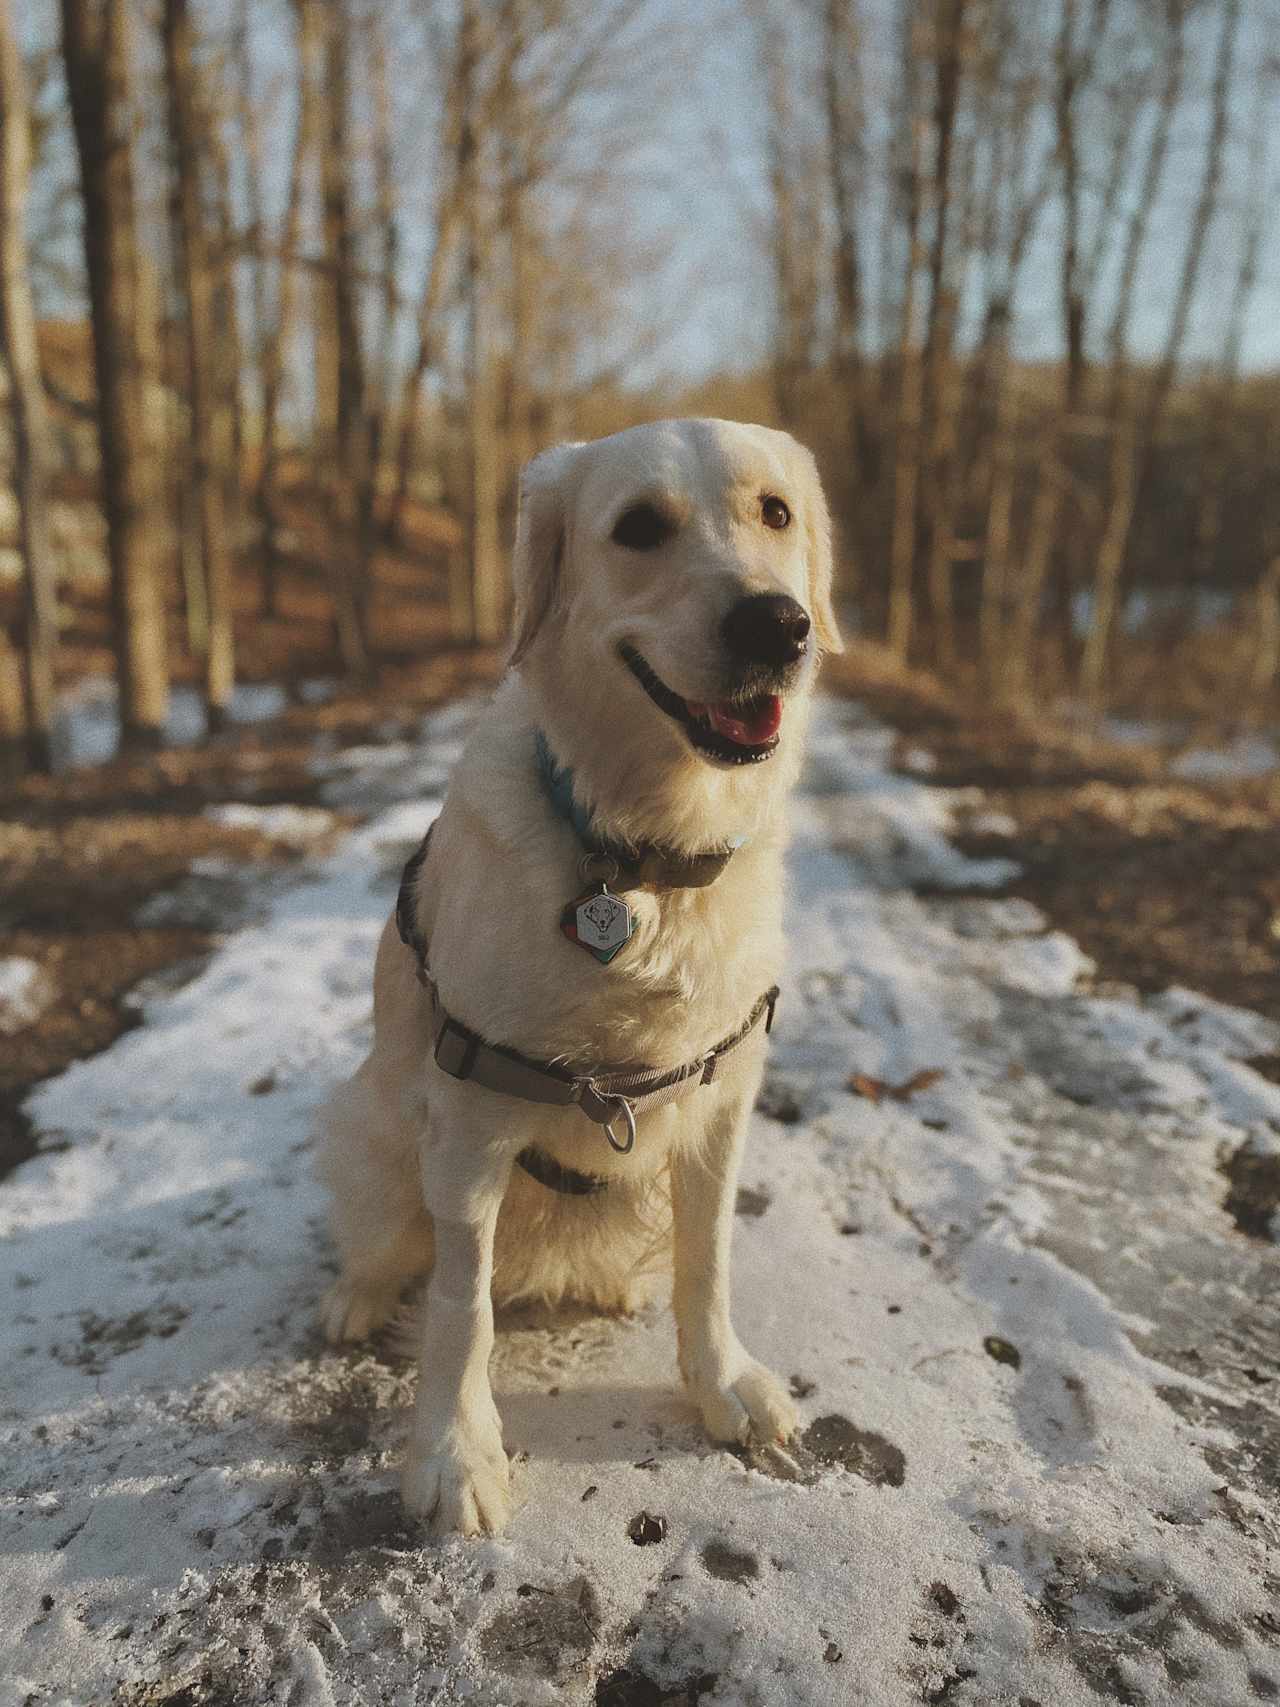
748	725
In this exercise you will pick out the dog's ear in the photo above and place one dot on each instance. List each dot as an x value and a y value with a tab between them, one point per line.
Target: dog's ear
818	550
541	522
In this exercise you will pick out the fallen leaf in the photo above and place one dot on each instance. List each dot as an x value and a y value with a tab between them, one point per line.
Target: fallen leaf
920	1081
873	1089
876	1090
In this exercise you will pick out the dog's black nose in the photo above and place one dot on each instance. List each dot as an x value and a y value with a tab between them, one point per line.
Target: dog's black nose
768	628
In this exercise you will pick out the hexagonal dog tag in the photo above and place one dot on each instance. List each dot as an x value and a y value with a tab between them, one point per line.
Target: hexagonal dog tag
599	922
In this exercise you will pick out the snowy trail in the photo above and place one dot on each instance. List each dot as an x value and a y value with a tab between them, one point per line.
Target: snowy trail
1016	1486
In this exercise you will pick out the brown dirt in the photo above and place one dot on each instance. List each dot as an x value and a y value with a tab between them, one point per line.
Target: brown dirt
82	852
1161	881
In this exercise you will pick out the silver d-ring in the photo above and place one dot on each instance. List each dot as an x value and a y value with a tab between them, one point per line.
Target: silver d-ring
629	1114
598	868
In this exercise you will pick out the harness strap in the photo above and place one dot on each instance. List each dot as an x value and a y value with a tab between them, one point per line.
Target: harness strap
609	1098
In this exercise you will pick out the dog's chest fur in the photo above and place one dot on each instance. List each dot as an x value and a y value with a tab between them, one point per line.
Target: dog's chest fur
501	870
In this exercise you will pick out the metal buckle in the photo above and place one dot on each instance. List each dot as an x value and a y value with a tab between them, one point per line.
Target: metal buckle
623	1107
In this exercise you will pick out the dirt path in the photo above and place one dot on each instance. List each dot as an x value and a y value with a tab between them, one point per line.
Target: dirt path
1033	1347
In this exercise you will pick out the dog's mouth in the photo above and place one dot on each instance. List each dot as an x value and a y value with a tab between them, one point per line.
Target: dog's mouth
734	731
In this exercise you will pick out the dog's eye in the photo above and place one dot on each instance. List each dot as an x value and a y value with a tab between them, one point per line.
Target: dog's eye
642	528
774	513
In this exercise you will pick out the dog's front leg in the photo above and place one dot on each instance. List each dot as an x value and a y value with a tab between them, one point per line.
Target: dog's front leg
738	1397
455	1470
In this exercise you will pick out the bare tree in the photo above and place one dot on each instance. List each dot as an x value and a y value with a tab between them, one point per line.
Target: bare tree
453	171
95	45
1073	65
32	452
377	401
948	52
847	168
908	434
208	475
249	132
1134	418
277	328
1215	461
792	237
994	403
346	434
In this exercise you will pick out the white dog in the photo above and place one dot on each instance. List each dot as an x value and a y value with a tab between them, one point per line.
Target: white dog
571	1004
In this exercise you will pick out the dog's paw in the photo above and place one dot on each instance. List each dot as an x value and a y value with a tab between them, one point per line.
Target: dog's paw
754	1405
463	1489
352	1309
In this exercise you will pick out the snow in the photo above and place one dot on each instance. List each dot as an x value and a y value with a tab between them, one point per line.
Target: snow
87	727
1245	756
295	826
1229	759
25	992
198	1498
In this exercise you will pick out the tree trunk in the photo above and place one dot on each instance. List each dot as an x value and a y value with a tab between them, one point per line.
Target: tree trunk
487	576
1128	452
847	166
1264	670
789	253
196	295
464	615
1109	566
95	43
250	132
275	338
948	56
941	452
425	356
228	341
488	589
993	617
1042	533
1202	218
907	437
378	394
13	722
340	239
350	591
32	454
1216	458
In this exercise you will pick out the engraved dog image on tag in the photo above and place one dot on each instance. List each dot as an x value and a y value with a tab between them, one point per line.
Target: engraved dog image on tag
599	922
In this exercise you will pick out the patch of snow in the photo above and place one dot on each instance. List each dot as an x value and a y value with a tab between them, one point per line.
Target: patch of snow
317	690
25	992
989	823
1009	916
198	1496
919	761
1141	731
367	757
1246	756
1049	965
296	826
87	724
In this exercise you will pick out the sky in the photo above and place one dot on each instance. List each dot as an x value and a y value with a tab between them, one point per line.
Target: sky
693	183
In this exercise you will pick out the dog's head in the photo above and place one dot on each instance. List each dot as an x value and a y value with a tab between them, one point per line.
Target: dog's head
681	573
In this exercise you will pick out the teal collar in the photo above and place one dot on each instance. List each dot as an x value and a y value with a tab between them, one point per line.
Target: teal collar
662	868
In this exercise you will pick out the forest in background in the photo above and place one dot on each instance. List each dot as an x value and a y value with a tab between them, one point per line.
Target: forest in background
290	291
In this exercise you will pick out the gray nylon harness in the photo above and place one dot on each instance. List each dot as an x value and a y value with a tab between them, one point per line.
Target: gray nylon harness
610	1098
